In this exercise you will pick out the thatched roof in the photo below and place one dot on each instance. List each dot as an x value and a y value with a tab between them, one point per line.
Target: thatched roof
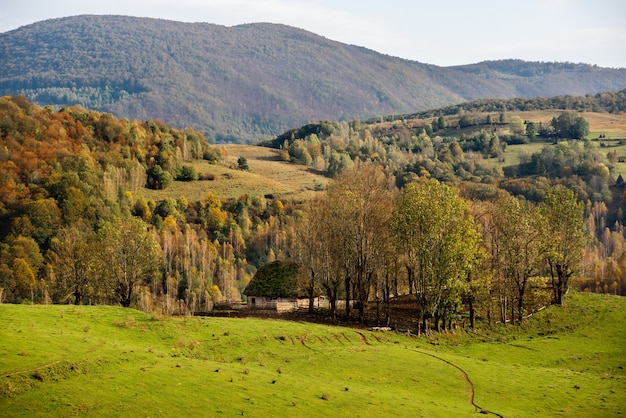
279	279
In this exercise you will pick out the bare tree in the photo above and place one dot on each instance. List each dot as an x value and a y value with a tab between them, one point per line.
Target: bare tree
359	202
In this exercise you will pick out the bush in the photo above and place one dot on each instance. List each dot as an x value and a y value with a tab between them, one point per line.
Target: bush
212	156
158	178
242	164
187	173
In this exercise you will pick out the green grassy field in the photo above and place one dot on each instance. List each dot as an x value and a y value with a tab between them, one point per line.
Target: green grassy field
109	361
513	152
612	126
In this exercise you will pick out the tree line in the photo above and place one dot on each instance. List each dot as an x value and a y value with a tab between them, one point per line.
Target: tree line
609	102
71	206
366	240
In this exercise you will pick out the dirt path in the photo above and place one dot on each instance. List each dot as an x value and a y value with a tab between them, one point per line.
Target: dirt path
32	370
362	338
302	341
468	382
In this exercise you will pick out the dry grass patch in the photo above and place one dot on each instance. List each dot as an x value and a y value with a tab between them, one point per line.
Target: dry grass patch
268	175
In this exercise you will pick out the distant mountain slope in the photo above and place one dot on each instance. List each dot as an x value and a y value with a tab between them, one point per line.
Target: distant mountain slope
546	79
250	80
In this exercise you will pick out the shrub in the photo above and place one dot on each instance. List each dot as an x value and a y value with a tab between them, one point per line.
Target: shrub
187	173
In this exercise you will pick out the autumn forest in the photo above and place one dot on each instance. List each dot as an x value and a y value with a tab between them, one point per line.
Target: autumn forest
415	206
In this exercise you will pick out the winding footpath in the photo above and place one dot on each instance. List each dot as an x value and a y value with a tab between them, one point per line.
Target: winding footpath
470	385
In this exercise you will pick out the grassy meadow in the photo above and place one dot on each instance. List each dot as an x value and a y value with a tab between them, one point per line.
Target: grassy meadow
109	361
611	126
267	175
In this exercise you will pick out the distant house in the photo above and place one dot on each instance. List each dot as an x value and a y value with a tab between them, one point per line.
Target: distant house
280	286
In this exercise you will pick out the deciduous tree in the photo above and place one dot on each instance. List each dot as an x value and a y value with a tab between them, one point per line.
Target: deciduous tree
361	206
72	257
565	237
518	250
130	255
439	242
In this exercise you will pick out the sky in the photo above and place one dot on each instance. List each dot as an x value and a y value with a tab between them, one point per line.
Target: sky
440	32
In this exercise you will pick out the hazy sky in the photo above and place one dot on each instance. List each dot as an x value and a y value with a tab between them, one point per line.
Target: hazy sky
442	32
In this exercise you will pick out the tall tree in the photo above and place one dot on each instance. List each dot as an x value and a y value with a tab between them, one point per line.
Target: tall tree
130	255
72	258
519	247
440	241
565	237
361	201
308	245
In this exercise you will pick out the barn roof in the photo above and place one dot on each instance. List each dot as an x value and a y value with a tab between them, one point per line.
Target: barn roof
279	279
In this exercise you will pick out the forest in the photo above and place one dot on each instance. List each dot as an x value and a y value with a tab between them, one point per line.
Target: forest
76	228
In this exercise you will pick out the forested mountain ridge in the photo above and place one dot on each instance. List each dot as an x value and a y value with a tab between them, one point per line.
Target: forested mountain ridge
244	82
533	79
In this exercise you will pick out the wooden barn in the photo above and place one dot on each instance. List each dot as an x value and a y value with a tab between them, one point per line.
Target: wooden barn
280	286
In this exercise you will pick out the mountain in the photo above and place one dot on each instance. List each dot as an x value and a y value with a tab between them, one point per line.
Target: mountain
254	80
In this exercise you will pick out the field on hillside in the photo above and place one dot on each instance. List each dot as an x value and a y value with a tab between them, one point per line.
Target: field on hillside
513	153
611	126
109	361
267	175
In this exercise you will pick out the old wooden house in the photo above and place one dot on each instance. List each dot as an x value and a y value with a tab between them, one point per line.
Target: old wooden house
280	286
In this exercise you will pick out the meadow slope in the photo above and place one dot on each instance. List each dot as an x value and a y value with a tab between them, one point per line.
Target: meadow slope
268	175
109	361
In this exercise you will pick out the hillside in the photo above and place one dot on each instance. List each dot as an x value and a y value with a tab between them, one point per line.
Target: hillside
268	175
109	361
250	81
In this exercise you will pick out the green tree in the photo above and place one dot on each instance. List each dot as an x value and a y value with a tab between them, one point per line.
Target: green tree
439	244
167	207
531	130
187	173
466	120
158	178
565	237
516	126
570	124
45	218
141	209
27	249
580	129
337	163
441	123
242	164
